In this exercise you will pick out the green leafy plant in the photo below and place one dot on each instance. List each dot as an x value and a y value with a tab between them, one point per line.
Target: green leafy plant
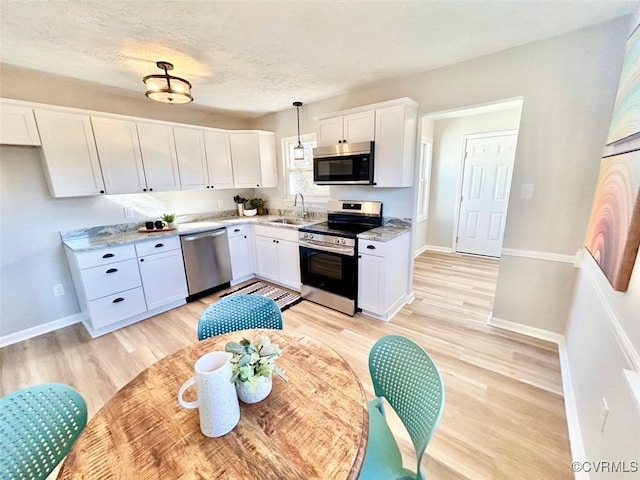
252	360
169	217
256	203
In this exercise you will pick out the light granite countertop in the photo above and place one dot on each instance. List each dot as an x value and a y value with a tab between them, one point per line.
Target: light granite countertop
113	236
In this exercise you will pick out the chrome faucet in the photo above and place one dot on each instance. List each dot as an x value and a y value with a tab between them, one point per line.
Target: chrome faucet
305	214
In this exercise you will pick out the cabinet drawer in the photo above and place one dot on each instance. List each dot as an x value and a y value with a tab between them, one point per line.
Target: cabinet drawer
104	256
372	247
237	230
158	245
290	234
113	308
108	279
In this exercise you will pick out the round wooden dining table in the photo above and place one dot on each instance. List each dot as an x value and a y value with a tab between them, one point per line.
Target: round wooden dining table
313	426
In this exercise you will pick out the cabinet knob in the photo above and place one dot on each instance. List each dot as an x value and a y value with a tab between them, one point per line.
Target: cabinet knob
118	300
339	141
151	189
144	189
142	259
371	247
107	255
208	186
245	236
112	270
101	191
159	245
359	256
344	141
257	185
236	229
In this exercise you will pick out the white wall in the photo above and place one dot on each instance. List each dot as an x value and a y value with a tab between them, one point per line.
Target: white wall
447	167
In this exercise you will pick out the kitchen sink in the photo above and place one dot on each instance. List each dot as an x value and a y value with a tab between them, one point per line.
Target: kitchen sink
291	221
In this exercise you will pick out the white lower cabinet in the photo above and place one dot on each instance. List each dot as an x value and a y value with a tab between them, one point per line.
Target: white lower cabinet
162	271
383	276
117	286
241	253
278	255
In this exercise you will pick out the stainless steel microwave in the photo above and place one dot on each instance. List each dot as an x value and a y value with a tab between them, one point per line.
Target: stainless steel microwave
343	164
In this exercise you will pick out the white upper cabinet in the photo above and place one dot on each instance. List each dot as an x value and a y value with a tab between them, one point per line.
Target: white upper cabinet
17	125
70	157
119	153
159	157
395	146
253	155
192	158
392	125
218	149
351	128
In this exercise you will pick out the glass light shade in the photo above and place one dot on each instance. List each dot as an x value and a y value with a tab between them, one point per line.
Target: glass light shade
298	152
167	89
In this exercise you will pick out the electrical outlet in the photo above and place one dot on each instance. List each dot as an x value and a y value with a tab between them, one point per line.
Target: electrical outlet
220	204
58	290
604	413
128	212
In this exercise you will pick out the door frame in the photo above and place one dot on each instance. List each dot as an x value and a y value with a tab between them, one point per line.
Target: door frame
465	138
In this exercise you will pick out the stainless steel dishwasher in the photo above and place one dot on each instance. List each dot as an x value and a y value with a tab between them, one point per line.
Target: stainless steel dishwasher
207	261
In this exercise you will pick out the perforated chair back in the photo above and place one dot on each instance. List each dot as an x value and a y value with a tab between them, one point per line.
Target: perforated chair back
407	377
238	313
38	426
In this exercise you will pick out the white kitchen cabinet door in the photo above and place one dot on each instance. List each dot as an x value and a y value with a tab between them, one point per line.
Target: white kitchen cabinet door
267	258
70	156
119	152
108	279
159	157
245	155
289	264
359	127
218	151
329	131
192	158
395	138
111	309
163	278
371	277
268	165
18	125
240	251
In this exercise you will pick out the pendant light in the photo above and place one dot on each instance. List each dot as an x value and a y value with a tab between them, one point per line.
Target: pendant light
298	151
166	88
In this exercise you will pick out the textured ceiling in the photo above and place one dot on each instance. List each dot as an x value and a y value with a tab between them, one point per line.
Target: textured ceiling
251	58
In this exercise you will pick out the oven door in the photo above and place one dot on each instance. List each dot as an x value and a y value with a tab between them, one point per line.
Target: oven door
329	271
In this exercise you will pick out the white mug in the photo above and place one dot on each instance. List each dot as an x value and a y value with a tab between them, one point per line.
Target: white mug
217	399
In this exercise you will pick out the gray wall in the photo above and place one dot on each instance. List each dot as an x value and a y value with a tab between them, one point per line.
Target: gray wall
447	167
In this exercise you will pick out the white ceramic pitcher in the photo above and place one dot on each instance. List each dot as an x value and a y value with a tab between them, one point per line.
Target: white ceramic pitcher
217	398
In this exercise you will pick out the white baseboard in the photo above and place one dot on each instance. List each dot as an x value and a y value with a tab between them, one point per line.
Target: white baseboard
571	410
420	251
436	248
526	330
549	256
40	329
570	404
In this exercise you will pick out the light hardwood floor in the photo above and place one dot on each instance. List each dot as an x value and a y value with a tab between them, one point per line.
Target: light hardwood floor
504	415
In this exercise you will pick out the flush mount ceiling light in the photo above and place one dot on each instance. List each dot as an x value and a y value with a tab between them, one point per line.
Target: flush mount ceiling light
298	150
167	88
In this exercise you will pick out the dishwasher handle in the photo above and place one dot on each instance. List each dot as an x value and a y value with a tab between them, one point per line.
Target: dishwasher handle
215	233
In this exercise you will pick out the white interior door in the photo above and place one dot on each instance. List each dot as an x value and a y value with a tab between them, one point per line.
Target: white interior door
486	181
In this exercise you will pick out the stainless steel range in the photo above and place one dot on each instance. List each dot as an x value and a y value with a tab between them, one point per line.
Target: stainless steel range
329	253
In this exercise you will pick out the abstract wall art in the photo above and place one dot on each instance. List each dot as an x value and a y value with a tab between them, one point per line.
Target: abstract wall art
613	236
625	121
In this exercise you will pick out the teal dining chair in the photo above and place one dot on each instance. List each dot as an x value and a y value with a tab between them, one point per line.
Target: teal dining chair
38	426
238	313
405	375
